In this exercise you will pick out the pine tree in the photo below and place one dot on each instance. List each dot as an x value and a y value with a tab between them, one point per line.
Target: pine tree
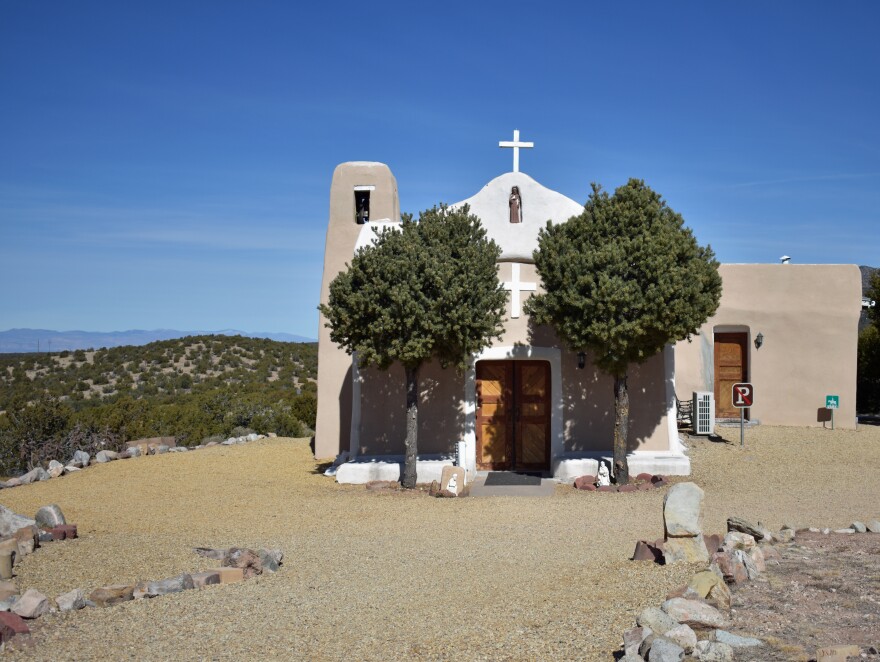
428	290
622	280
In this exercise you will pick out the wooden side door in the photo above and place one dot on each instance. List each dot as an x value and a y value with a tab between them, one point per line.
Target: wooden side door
494	415
731	362
532	416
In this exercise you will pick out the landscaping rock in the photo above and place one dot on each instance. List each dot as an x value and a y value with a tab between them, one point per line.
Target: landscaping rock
161	449
744	526
656	619
209	553
133	451
847	530
55	469
858	527
585	483
664	650
48	517
270	559
683	511
713	542
738	540
7	603
70	531
14	622
32	604
7	589
785	535
12	482
106	456
751	568
731	567
695	613
757	556
735	640
107	596
246	559
713	651
684	636
69	469
685	550
644	551
177	584
645	476
34	475
71	601
11	522
770	554
80	459
202	579
873	526
633	638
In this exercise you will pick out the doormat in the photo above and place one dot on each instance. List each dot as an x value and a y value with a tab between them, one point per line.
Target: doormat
504	478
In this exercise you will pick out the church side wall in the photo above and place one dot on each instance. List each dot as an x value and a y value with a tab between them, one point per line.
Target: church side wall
808	316
333	424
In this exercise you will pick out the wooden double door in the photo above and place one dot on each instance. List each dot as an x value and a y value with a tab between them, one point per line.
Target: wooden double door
731	367
513	415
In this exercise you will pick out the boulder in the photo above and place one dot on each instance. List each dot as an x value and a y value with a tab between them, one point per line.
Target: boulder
683	511
645	476
7	589
270	559
846	530
645	551
246	559
713	542
13	622
731	566
770	554
12	482
133	451
633	638
738	540
735	640
55	469
177	584
71	601
751	567
202	579
48	517
873	526
713	651
684	636
744	526
585	482
656	619
859	527
10	522
685	550
785	535
161	449
106	456
107	596
34	475
6	604
665	650
69	469
695	613
80	459
757	556
32	604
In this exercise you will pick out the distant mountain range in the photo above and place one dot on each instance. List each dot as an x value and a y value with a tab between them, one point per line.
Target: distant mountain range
29	340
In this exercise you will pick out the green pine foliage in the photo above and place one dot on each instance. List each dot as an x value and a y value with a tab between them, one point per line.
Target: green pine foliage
622	280
428	290
189	388
868	381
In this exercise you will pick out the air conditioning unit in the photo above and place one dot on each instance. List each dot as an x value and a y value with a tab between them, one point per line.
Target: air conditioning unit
703	417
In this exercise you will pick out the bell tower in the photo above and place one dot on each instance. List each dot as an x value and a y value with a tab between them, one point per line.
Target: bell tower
361	192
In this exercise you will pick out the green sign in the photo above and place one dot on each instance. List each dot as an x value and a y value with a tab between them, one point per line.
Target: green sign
832	402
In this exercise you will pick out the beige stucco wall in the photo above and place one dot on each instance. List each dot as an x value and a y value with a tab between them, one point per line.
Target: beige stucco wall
333	424
808	315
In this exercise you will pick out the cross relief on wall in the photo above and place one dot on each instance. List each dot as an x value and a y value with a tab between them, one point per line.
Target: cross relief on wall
515	286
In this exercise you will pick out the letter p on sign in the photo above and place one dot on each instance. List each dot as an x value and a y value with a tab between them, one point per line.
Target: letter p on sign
743	395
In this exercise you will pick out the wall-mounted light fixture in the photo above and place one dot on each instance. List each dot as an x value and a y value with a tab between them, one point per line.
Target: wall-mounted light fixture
582	360
759	340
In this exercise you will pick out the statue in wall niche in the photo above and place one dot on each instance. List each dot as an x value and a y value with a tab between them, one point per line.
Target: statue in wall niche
515	203
452	485
604	477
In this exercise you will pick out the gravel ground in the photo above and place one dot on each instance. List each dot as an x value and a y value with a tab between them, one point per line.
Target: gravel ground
383	576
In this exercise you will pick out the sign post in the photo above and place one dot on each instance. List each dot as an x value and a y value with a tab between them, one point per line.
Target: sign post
743	395
832	402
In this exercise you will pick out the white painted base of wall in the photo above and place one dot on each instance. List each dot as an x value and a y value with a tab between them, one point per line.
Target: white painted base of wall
665	463
389	467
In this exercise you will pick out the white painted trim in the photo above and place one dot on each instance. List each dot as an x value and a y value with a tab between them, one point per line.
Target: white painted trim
365	188
553	356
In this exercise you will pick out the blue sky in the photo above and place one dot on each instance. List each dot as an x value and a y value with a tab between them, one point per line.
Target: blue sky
167	165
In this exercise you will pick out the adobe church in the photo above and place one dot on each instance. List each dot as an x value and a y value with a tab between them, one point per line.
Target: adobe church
527	403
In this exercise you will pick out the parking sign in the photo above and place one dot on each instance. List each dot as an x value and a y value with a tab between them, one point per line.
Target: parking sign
743	395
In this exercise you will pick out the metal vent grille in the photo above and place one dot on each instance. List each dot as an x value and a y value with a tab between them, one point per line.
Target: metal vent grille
704	413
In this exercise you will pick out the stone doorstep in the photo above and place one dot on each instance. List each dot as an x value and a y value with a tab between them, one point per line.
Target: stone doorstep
545	489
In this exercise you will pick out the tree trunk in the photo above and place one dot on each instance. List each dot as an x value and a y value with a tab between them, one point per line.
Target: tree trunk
621	427
412	427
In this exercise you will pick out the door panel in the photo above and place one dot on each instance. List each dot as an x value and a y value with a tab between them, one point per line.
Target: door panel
731	361
513	415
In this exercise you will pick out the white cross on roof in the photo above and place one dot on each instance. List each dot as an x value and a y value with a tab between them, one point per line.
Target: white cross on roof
516	144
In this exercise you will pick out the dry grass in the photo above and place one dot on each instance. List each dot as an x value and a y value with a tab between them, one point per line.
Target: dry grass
376	576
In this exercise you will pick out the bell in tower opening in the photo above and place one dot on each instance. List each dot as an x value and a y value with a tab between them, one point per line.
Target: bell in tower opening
362	206
515	203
